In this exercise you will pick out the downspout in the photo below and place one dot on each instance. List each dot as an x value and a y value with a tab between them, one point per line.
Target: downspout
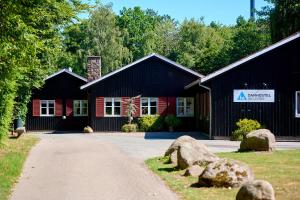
210	110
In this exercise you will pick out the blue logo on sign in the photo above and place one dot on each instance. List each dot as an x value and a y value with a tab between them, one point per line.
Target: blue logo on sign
242	97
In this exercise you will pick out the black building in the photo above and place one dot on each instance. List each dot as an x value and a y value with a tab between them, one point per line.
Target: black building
59	105
160	83
264	86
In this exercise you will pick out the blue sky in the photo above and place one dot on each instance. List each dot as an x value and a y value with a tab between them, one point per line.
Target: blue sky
222	11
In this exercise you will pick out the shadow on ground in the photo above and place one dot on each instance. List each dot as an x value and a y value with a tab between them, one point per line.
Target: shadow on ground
174	135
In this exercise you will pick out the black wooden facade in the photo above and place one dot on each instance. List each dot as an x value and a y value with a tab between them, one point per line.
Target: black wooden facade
64	87
278	70
152	77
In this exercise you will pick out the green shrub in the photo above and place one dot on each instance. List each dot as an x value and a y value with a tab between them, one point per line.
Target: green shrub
151	123
172	121
245	126
129	128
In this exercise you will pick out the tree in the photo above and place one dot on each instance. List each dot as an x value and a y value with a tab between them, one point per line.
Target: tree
283	18
98	35
201	47
138	26
249	37
30	43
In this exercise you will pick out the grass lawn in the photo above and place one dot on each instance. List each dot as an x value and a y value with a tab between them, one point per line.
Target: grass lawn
281	169
12	156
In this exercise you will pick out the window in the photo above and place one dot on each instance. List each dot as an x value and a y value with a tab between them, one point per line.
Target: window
112	106
47	107
80	107
185	107
298	104
148	106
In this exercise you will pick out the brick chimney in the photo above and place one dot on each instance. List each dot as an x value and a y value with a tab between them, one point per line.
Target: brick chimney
93	67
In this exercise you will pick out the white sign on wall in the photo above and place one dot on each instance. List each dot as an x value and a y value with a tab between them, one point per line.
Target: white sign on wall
254	96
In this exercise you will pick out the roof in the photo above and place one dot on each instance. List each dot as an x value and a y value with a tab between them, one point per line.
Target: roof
248	58
66	71
138	61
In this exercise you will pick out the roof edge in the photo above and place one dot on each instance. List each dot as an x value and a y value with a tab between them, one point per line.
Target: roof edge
250	57
67	71
138	61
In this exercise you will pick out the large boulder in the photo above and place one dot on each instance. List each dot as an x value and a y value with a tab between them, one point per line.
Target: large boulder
226	173
194	170
256	190
187	151
190	154
259	140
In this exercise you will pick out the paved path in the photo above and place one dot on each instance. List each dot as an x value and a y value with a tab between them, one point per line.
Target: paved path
80	167
143	146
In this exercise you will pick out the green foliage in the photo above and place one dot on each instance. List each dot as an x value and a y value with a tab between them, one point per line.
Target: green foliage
98	35
172	121
248	37
129	128
283	18
245	126
30	42
151	123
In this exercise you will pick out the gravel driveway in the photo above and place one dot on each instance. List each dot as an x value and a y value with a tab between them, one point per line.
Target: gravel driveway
80	167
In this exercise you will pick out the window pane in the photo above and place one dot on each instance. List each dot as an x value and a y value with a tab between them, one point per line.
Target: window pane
189	111
44	111
43	104
180	111
298	103
189	102
108	110
144	110
51	104
84	111
76	104
51	111
117	103
153	102
84	104
152	110
77	111
117	111
144	101
180	102
108	103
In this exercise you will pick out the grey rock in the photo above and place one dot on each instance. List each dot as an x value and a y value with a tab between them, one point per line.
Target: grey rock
20	130
226	173
194	170
256	190
259	140
190	154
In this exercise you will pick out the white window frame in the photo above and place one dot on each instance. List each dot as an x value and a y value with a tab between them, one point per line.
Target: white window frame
113	100
81	102
148	106
297	94
185	107
47	108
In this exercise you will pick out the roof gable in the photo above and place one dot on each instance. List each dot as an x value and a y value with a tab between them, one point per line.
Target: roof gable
139	61
68	72
250	57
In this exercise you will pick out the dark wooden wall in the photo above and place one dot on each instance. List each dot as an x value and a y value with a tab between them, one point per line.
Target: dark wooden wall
280	70
63	86
150	78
